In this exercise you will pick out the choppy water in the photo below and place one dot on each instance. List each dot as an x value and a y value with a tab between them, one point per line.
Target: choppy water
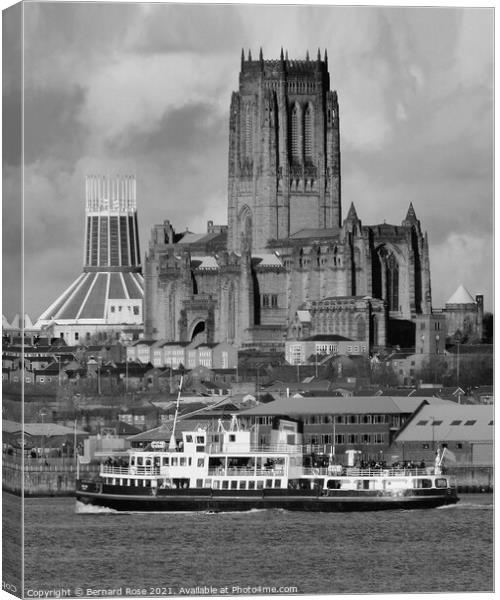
447	549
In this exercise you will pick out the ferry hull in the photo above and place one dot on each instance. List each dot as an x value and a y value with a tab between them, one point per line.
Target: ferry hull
212	501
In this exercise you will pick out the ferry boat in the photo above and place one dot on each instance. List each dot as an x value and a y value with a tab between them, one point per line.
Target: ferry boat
226	470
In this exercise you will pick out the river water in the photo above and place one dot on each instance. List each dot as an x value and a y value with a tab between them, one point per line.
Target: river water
445	549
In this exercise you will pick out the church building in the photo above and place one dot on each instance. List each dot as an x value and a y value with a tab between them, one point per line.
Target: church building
288	265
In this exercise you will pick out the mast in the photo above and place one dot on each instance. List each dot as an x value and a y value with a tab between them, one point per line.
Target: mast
173	444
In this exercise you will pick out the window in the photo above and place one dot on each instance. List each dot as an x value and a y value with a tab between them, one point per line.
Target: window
455	422
201	462
472	422
422	423
437	423
243	485
251	485
234	485
441	483
136	310
76	335
225	485
182	461
294	135
274	300
277	483
425	446
260	485
353	419
269	483
459	445
308	133
232	437
41	380
490	423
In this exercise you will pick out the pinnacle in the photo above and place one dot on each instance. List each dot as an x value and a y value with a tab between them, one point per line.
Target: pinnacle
352	214
410	215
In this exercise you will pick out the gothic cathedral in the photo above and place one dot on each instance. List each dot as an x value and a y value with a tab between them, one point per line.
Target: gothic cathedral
286	266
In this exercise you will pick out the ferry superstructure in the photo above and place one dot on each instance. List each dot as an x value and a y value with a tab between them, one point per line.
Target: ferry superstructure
226	470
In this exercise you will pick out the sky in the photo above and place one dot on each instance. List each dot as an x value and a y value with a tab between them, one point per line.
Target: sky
144	89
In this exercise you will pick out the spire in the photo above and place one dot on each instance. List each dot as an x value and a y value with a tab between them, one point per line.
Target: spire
410	215
286	55
261	57
242	56
307	55
249	56
352	214
281	53
326	59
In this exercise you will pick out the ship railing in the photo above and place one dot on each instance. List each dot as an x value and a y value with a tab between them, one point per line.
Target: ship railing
391	472
339	471
242	472
106	470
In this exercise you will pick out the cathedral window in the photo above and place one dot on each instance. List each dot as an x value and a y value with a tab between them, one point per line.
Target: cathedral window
248	132
294	135
393	283
308	133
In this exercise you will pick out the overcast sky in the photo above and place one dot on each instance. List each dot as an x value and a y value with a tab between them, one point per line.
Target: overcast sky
145	89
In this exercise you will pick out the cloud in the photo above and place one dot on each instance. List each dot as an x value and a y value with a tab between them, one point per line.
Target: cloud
145	89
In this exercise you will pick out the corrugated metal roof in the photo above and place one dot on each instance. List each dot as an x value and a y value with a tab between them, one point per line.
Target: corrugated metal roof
452	421
39	429
335	405
86	297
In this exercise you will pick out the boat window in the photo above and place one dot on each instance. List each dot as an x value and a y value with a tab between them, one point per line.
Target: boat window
148	461
147	483
441	482
232	437
182	461
260	484
471	422
199	483
456	422
189	438
243	485
208	483
251	485
190	460
175	461
200	448
216	484
165	461
234	485
277	483
132	460
200	439
422	422
333	484
201	462
139	461
225	485
269	483
422	483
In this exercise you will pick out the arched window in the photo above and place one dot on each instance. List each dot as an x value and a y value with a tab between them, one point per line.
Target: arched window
393	283
308	133
248	132
294	134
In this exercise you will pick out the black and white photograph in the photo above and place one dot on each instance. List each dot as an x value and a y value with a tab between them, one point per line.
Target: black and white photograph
248	299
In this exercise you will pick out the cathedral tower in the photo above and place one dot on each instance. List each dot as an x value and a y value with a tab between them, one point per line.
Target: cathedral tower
284	152
108	294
